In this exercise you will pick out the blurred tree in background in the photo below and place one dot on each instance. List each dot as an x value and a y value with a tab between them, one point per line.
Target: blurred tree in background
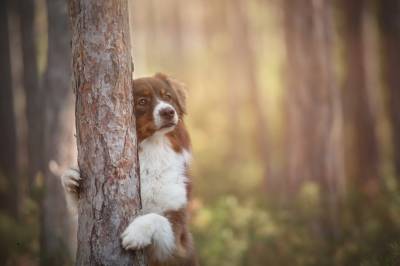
57	242
389	26
294	114
313	117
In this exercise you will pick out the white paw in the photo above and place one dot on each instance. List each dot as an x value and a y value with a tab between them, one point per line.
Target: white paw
70	180
147	229
139	233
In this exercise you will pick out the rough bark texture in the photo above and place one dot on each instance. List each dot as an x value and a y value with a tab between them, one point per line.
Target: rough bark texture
389	23
362	154
314	121
57	241
107	150
8	140
33	92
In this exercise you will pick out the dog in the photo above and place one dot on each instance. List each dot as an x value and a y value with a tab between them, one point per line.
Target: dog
164	157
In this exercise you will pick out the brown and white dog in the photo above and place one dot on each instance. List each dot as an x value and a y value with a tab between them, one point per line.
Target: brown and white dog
164	156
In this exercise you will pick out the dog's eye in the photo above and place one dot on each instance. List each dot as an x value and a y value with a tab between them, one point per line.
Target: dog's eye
167	96
142	101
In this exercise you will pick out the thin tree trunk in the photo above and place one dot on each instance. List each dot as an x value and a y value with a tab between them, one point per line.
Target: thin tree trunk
8	138
107	149
243	51
176	33
362	153
33	93
151	29
389	23
57	247
313	122
312	98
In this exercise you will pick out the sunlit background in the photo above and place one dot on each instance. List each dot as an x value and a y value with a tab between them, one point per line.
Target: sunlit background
293	112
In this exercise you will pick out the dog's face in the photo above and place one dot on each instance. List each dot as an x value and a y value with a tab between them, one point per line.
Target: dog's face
159	105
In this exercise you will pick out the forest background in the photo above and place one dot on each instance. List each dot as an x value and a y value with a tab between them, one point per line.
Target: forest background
294	114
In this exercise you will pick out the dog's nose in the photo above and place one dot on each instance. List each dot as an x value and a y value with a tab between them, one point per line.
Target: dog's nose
167	113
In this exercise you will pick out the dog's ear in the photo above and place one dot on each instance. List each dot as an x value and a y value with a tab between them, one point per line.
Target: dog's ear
178	87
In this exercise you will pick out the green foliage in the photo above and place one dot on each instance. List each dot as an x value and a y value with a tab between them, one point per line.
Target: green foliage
232	232
19	242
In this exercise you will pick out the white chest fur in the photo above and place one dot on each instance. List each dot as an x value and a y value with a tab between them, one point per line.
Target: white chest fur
162	175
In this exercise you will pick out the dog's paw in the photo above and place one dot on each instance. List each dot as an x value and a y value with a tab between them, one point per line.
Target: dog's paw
138	234
150	229
70	180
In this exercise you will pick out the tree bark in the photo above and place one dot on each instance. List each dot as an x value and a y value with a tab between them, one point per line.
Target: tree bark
361	139
8	138
106	135
57	241
389	23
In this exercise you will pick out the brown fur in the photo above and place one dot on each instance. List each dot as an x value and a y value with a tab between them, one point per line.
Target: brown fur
151	88
184	254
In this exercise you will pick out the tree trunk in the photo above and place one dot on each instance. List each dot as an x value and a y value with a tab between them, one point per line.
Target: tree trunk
176	33
57	241
313	122
389	23
8	138
246	68
34	96
362	153
106	135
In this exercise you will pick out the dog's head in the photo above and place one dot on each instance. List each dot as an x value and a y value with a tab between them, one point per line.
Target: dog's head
160	104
